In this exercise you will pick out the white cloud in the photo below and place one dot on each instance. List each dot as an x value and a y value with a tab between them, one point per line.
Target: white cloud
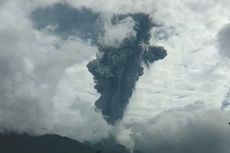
115	34
193	73
193	70
191	129
37	77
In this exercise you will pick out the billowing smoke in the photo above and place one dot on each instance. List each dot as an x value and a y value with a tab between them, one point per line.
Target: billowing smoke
117	69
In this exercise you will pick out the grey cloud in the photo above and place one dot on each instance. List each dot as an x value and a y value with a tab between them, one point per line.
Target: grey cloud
68	21
224	40
2	3
226	101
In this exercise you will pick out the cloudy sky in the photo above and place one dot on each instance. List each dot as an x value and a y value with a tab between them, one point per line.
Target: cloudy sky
180	103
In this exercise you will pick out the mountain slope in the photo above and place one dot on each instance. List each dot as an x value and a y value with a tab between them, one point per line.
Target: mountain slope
41	144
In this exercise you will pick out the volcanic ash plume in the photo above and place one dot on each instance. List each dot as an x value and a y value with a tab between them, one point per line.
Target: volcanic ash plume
118	68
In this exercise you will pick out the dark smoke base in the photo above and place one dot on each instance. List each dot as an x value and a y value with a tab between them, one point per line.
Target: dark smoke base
119	68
